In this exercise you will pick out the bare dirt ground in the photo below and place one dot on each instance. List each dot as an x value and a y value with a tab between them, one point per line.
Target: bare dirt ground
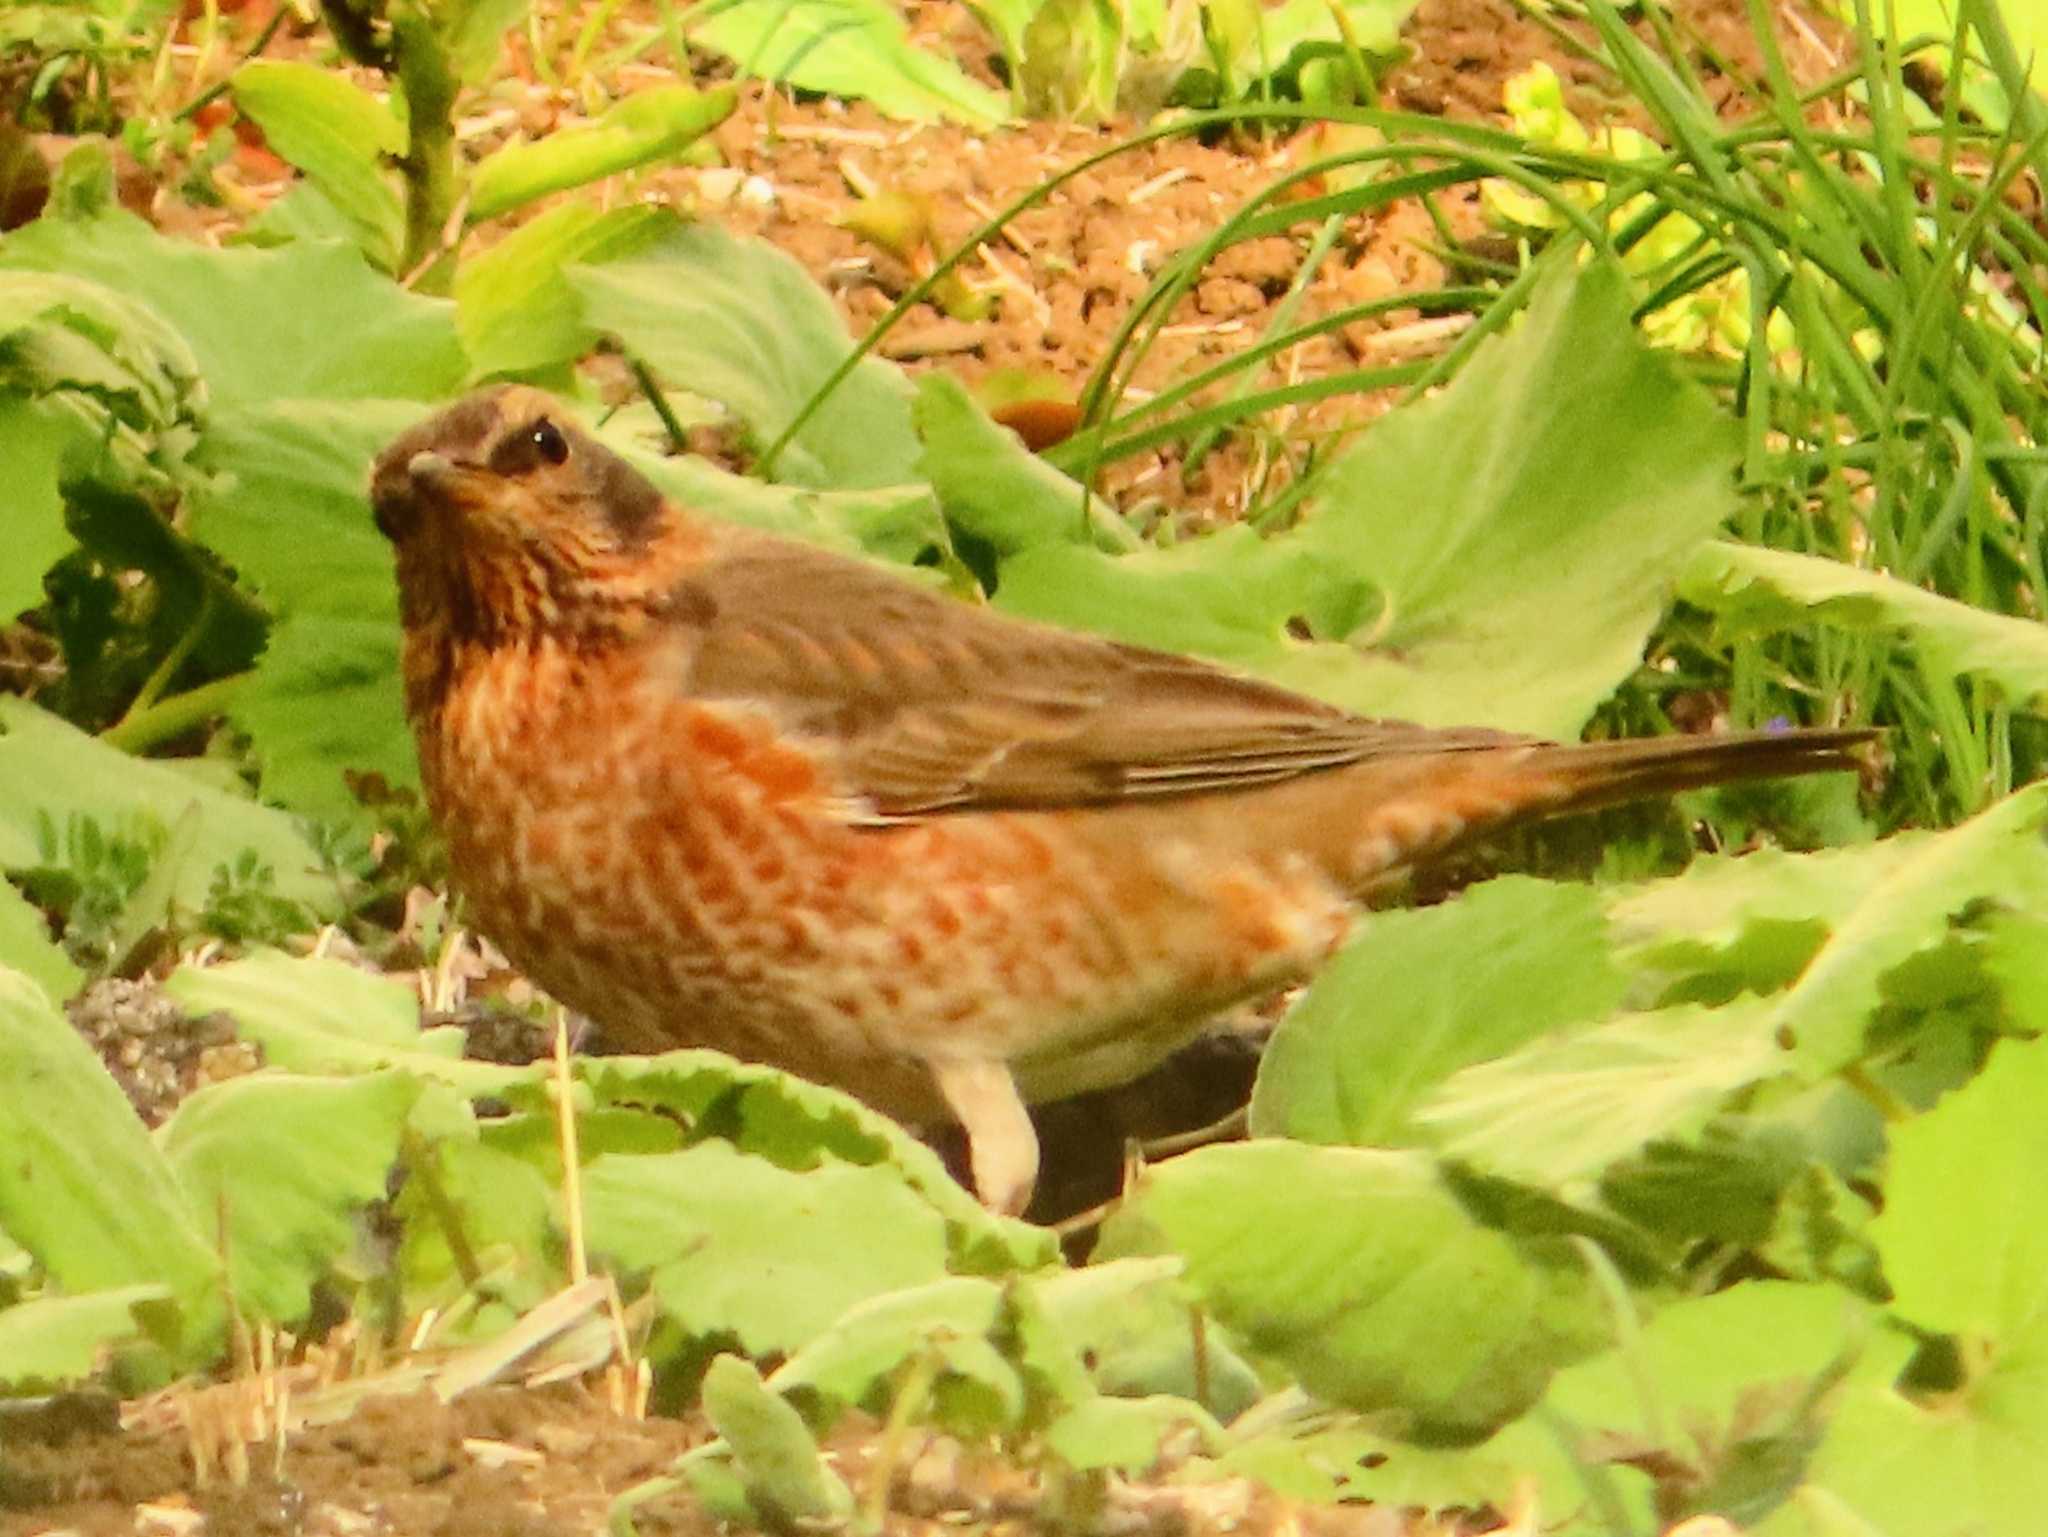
537	1463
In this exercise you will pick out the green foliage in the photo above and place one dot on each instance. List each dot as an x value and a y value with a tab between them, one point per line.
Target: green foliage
1516	1149
844	48
341	137
1525	597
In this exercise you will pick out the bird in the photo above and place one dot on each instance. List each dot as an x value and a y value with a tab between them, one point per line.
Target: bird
709	786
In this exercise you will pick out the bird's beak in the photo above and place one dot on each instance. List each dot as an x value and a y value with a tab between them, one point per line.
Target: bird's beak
404	490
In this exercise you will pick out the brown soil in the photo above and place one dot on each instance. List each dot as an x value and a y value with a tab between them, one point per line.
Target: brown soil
520	1463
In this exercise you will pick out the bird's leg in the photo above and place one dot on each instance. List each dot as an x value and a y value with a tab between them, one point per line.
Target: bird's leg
1002	1147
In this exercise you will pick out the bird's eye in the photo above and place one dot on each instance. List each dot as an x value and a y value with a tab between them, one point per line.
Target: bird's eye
548	442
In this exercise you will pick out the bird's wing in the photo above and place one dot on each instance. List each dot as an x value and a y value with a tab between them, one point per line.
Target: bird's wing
928	704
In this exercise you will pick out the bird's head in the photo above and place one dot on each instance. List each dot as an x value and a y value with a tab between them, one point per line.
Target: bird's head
507	517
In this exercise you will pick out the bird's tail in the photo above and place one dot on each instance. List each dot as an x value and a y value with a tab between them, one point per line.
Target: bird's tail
1585	775
1463	797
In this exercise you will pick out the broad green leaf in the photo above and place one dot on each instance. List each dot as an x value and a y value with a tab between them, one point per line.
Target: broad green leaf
33	442
1418	995
1459	565
1752	589
737	1246
1362	1274
1557	1113
65	331
1704	917
859	1355
1125	1433
288	1163
51	1341
897	523
1134	1321
845	48
82	1187
54	770
289	509
304	320
785	1478
1964	1238
647	126
1964	1231
513	303
738	322
1998	856
338	135
26	947
796	1123
994	488
315	1015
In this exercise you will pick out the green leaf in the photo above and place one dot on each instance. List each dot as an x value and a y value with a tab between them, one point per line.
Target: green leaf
1753	590
1964	1231
949	1324
1998	856
737	1246
33	442
1964	1239
26	947
289	509
738	322
54	770
1746	915
315	1015
1458	566
288	1163
795	1123
304	320
1134	1321
513	303
857	48
82	1187
896	523
1362	1274
1124	1433
338	135
1418	995
647	126
1557	1113
785	1478
994	488
55	1340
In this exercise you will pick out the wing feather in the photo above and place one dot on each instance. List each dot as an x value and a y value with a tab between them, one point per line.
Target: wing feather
931	705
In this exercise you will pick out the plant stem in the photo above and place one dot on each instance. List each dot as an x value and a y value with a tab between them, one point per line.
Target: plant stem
167	719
